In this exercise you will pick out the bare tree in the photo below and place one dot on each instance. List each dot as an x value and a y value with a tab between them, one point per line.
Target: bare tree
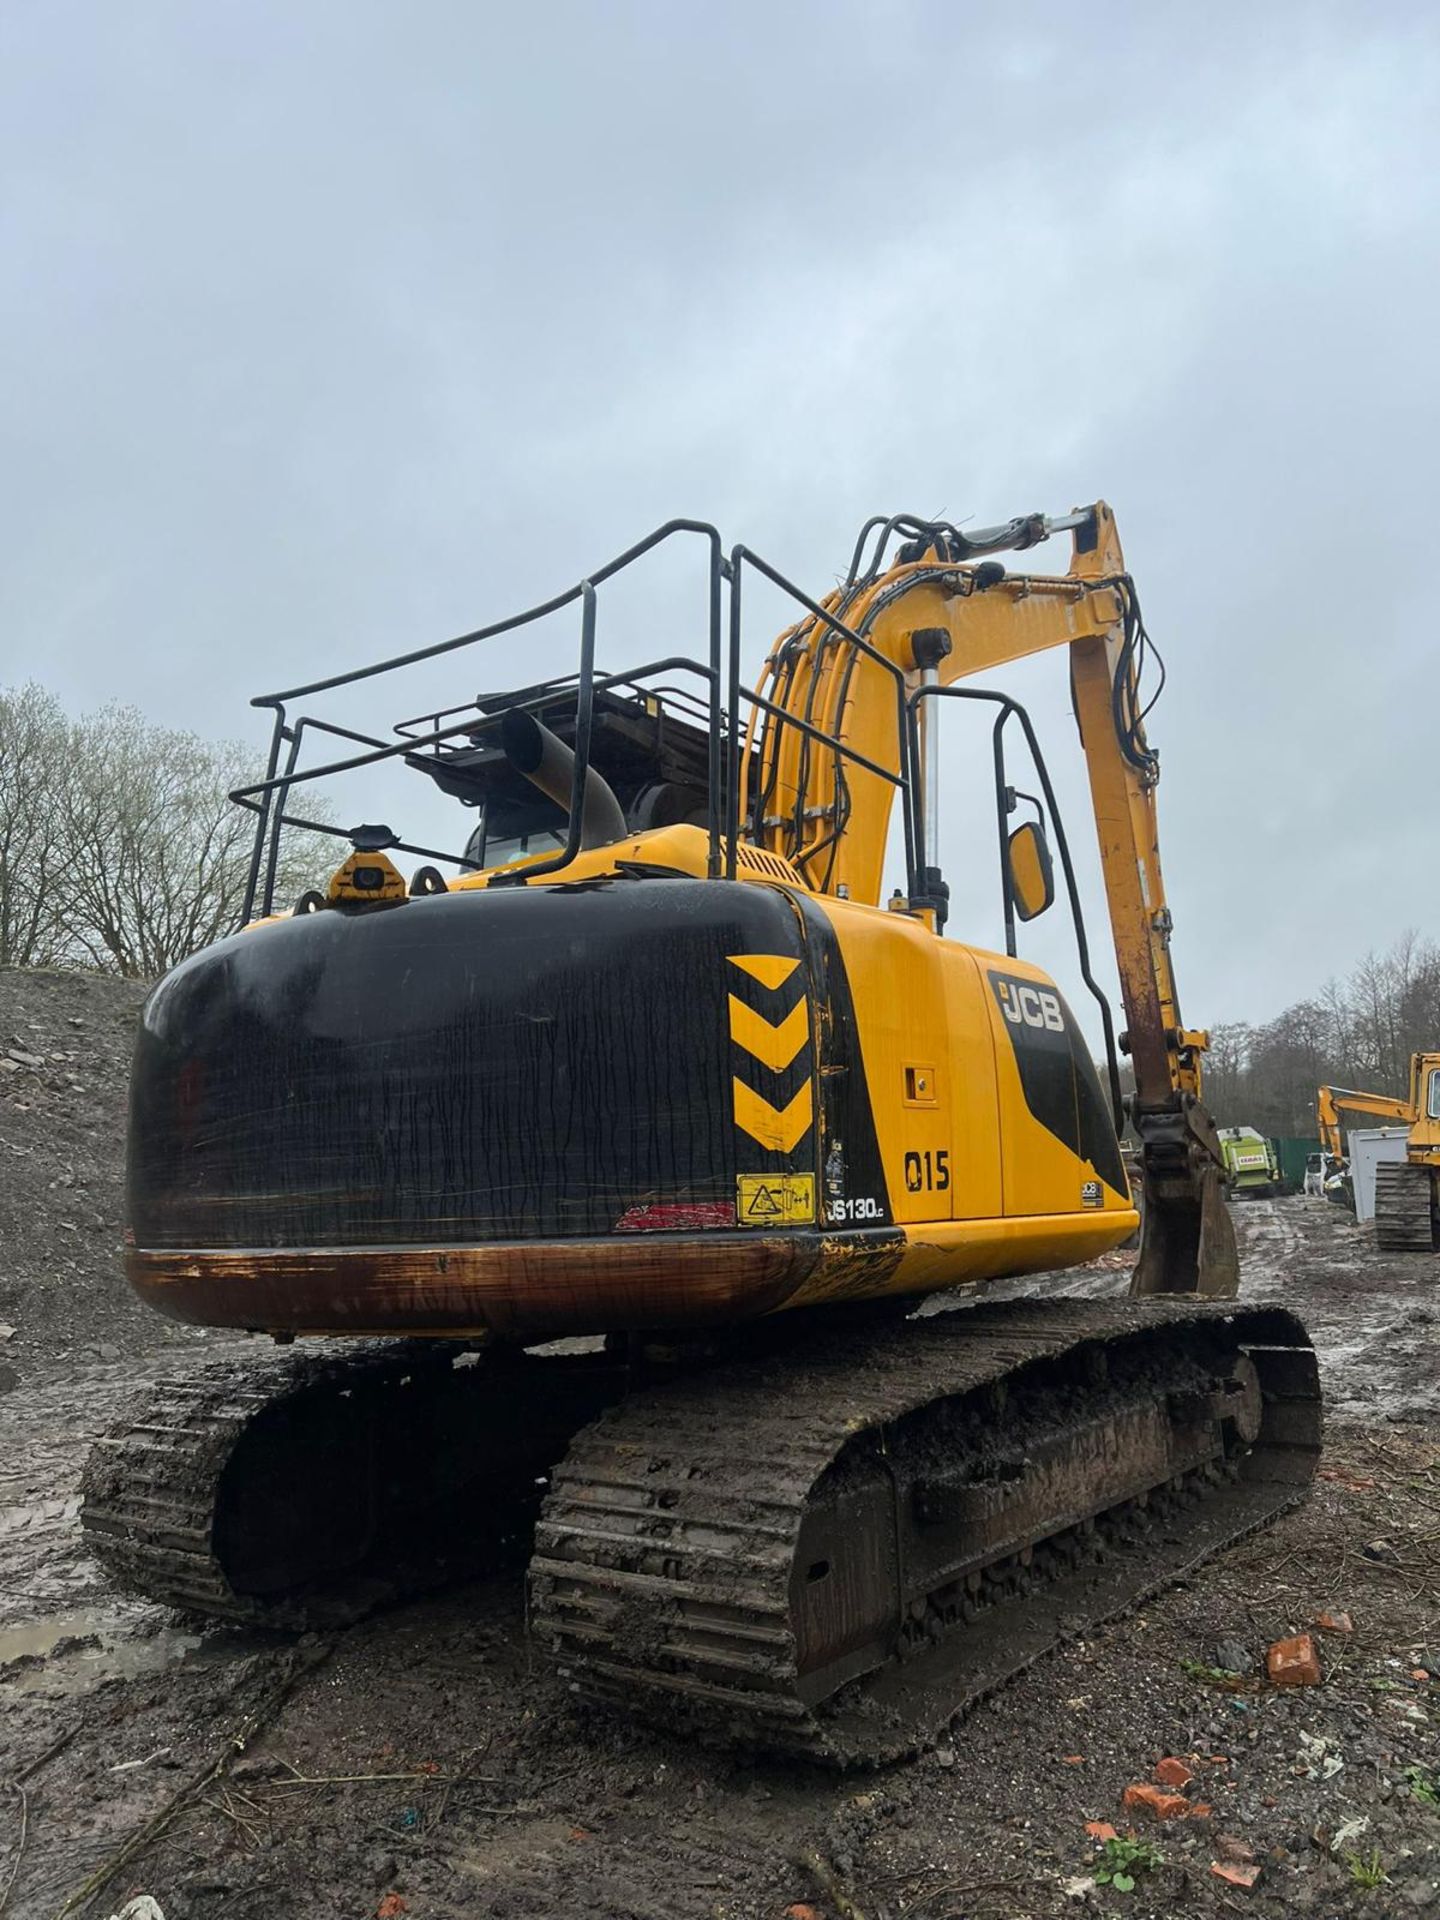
119	846
1226	1065
1359	1032
34	742
160	854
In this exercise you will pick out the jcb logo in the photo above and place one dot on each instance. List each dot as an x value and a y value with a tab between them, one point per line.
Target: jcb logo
1030	1006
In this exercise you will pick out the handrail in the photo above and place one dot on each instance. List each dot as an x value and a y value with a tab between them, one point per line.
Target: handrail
530	614
1013	708
722	703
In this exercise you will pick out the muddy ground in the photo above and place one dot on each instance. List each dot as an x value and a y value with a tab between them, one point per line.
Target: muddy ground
425	1763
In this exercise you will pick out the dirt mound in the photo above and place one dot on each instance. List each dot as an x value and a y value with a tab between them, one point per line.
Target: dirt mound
65	1041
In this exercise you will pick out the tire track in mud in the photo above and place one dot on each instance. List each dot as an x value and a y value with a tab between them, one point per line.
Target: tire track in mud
48	1423
1372	1315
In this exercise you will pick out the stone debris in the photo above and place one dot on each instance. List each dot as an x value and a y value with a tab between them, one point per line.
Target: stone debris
1233	1656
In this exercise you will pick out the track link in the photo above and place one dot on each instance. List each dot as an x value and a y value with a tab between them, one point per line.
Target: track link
299	1489
1404	1207
683	1561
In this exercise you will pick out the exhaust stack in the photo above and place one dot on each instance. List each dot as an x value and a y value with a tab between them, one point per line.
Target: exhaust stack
547	763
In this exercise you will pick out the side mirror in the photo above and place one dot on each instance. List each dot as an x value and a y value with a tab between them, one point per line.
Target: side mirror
1032	872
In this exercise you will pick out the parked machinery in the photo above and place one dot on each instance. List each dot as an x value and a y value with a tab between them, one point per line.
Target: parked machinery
662	1063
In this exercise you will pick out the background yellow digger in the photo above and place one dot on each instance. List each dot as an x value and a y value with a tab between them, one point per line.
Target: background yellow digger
1407	1192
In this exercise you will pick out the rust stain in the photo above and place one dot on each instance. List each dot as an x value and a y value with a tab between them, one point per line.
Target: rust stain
530	1288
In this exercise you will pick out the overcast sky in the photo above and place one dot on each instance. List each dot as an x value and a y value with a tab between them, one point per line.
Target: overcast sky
330	330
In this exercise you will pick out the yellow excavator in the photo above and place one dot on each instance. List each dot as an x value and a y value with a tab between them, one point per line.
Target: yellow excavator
1407	1192
682	1067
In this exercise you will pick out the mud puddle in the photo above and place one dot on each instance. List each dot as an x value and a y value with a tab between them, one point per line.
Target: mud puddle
74	1652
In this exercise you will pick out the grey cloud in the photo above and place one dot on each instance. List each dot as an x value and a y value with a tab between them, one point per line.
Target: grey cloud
331	329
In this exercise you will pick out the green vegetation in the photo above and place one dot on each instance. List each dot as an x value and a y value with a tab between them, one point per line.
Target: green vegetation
1121	1861
1424	1783
1367	1870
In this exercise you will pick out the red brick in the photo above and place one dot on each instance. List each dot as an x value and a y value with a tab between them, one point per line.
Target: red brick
1101	1830
1293	1663
1174	1773
1235	1875
1335	1623
1145	1798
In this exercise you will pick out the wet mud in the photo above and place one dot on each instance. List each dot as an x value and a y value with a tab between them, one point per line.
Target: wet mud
428	1763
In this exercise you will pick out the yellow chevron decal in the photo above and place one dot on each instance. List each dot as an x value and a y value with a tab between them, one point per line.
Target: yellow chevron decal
775	1046
770	969
775	1127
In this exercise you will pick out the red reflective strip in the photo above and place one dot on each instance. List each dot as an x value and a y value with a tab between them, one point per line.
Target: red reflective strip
675	1216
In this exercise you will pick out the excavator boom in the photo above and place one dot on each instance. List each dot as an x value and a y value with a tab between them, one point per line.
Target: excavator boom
1331	1102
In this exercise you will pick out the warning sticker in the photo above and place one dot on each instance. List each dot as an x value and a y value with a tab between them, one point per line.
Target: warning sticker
775	1199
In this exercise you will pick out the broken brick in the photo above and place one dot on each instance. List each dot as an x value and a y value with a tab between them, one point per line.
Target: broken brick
1293	1663
1072	1759
802	1910
392	1906
1174	1773
1145	1798
1235	1875
1101	1830
1335	1623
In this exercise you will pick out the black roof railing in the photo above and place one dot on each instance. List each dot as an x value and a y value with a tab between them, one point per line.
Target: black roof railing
718	705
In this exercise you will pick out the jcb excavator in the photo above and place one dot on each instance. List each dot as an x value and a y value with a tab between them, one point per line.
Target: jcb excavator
661	1063
1407	1192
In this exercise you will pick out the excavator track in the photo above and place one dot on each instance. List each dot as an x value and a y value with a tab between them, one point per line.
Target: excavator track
1404	1207
299	1489
823	1552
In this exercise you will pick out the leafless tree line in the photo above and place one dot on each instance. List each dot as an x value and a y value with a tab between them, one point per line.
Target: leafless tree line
1358	1032
119	848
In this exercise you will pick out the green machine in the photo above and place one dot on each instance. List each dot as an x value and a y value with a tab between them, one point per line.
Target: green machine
1252	1167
